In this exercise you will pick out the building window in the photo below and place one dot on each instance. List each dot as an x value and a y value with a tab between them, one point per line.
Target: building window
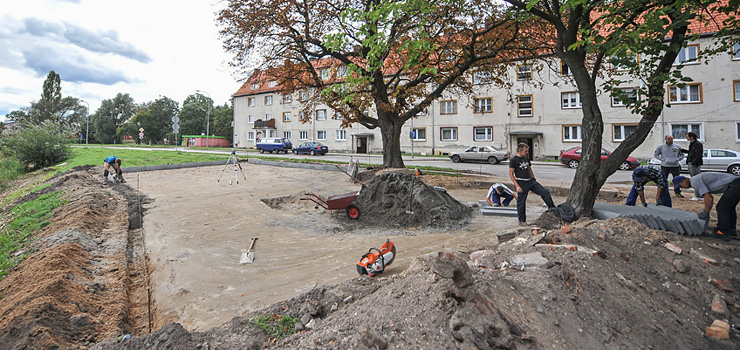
255	86
342	70
690	93
448	107
419	134
737	131
736	51
268	116
341	135
250	118
564	69
303	96
628	97
286	117
621	132
571	99
688	55
448	134
482	77
250	136
483	105
524	72
679	131
483	133
251	102
320	114
571	133
268	100
736	90
324	73
632	59
321	135
287	99
272	83
524	106
303	135
287	135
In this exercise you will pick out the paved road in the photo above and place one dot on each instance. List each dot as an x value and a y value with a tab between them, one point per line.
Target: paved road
543	170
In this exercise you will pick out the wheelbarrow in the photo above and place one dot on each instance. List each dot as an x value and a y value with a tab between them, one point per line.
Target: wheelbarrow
339	201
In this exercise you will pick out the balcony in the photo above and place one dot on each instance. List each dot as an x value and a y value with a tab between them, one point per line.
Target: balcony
264	124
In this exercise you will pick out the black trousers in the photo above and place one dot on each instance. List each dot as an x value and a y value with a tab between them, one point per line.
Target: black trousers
521	202
675	171
726	212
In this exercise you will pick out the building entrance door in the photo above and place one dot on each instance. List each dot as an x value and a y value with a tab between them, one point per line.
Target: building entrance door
530	142
362	145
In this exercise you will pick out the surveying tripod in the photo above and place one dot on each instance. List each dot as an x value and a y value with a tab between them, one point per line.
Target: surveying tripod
237	168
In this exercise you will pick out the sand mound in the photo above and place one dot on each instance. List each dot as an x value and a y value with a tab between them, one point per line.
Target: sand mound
402	200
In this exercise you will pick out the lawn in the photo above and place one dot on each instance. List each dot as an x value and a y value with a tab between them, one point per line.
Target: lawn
134	157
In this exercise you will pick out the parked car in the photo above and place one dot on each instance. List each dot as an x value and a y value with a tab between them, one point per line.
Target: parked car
480	154
572	158
274	144
715	159
311	148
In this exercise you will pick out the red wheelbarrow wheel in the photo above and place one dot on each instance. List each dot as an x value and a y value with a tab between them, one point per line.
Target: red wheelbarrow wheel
353	212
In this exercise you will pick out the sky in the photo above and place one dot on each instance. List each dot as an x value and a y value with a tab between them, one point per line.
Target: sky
146	48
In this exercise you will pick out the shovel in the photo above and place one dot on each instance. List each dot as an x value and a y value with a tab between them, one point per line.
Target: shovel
248	257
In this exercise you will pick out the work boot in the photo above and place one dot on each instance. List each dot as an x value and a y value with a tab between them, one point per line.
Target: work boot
123	181
719	235
678	195
105	182
522	223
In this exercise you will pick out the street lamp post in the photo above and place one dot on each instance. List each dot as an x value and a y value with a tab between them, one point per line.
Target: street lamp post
208	117
87	119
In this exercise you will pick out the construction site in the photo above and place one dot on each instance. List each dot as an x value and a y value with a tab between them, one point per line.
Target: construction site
199	258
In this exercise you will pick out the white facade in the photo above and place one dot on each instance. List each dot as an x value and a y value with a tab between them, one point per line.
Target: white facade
543	111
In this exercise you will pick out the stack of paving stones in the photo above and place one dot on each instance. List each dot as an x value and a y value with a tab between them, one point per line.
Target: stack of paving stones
487	209
655	217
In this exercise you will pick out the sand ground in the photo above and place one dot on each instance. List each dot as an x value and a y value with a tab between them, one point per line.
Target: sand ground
197	227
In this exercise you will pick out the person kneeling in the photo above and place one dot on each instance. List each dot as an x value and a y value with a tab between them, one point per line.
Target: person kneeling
499	195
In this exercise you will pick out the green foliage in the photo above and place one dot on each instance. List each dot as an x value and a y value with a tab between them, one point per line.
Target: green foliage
26	219
37	145
223	116
133	157
276	326
156	119
10	169
112	114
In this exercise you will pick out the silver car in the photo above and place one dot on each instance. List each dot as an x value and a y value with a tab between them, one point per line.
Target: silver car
714	160
480	154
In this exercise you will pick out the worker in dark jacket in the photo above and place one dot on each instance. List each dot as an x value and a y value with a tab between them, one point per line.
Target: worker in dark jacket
695	157
640	177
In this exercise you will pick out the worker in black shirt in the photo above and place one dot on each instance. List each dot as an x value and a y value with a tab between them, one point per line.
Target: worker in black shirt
521	174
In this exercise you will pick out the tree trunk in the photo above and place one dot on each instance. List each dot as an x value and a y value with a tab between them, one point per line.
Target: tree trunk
586	184
390	129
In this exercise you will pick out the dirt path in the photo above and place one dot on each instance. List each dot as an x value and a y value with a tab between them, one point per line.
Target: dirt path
196	229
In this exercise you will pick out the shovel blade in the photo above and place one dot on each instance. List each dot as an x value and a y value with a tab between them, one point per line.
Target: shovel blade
247	258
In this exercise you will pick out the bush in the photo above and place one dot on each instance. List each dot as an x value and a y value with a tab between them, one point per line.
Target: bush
276	326
37	146
10	169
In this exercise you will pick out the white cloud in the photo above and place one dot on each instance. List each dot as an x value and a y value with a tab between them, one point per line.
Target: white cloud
100	48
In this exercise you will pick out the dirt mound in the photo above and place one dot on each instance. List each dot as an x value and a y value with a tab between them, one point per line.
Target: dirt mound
604	285
82	275
402	200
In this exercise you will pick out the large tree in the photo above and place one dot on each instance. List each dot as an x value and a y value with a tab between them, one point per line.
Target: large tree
66	112
395	56
156	119
193	115
590	36
223	118
112	114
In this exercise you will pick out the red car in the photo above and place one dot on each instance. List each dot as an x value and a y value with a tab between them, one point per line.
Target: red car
572	157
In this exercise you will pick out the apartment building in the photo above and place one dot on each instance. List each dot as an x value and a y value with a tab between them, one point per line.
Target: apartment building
542	108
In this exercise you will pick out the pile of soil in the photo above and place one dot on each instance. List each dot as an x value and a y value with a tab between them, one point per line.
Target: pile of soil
402	200
84	278
603	284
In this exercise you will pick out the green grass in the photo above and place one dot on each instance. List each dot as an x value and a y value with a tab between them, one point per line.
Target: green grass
276	326
134	157
10	169
25	219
